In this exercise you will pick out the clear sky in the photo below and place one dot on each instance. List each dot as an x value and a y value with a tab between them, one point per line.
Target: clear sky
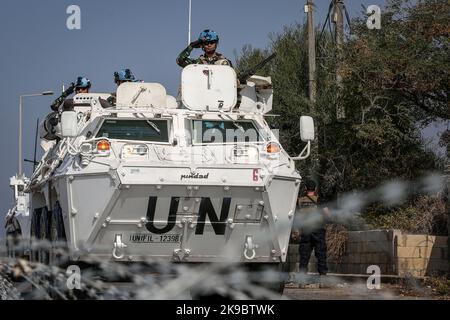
39	53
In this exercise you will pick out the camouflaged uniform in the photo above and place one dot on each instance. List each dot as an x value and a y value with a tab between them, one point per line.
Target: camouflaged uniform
112	99
184	60
313	235
58	102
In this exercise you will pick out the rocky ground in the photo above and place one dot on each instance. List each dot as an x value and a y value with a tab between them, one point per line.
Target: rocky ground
7	289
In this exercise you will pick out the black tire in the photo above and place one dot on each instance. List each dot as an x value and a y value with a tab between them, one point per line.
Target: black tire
14	244
58	243
57	253
10	246
44	236
34	234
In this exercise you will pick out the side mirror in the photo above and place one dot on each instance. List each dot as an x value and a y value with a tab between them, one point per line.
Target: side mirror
307	129
69	124
307	135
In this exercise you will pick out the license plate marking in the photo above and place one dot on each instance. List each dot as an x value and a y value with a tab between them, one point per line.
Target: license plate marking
155	238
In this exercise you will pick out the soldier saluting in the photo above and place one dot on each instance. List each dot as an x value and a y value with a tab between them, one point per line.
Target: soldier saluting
208	41
82	85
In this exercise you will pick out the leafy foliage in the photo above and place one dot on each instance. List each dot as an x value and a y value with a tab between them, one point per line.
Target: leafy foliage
394	81
424	215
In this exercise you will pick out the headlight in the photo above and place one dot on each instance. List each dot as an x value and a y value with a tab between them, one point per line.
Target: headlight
272	151
134	151
245	155
99	148
273	148
86	148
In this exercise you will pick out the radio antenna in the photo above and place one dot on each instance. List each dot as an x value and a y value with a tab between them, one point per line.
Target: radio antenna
190	21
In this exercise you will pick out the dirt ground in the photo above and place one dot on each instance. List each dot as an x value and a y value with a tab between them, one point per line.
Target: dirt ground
350	292
342	289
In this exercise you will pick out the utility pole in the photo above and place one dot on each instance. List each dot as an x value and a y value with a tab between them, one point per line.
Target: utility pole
309	9
338	20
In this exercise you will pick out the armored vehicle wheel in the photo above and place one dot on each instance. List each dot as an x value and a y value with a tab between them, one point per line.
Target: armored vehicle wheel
58	243
44	236
34	235
14	244
10	246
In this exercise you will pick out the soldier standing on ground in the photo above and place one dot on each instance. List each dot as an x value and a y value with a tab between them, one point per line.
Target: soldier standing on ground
208	41
313	234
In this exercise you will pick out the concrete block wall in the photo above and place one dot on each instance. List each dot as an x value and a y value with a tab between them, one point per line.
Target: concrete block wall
366	247
363	249
394	252
422	255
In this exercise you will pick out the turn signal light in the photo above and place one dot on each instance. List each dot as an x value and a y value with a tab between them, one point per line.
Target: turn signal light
273	147
103	145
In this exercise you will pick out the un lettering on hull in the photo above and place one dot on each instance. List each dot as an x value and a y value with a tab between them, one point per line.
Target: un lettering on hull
206	210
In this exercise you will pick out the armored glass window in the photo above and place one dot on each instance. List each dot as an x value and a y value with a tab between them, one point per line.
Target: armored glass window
135	130
217	131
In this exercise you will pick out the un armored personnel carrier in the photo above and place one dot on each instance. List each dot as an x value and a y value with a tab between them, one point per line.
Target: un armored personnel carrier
197	179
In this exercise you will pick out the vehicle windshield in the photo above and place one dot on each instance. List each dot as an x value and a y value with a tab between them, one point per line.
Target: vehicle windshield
140	130
219	131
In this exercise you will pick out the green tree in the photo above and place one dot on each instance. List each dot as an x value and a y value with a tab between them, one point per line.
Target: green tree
390	88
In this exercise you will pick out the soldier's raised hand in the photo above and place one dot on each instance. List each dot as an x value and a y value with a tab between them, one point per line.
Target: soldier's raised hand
196	44
71	89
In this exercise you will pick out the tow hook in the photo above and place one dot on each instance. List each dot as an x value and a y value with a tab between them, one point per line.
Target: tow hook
181	254
118	246
250	247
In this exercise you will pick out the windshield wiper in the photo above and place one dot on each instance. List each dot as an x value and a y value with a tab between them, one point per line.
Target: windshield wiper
238	126
154	126
235	123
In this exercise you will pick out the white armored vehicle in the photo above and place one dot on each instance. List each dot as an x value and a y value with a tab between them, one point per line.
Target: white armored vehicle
198	179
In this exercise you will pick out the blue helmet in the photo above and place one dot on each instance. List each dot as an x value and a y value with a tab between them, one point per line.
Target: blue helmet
83	82
124	75
209	35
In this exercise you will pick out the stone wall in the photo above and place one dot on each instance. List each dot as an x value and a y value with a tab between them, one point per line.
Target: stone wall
421	255
394	252
366	248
